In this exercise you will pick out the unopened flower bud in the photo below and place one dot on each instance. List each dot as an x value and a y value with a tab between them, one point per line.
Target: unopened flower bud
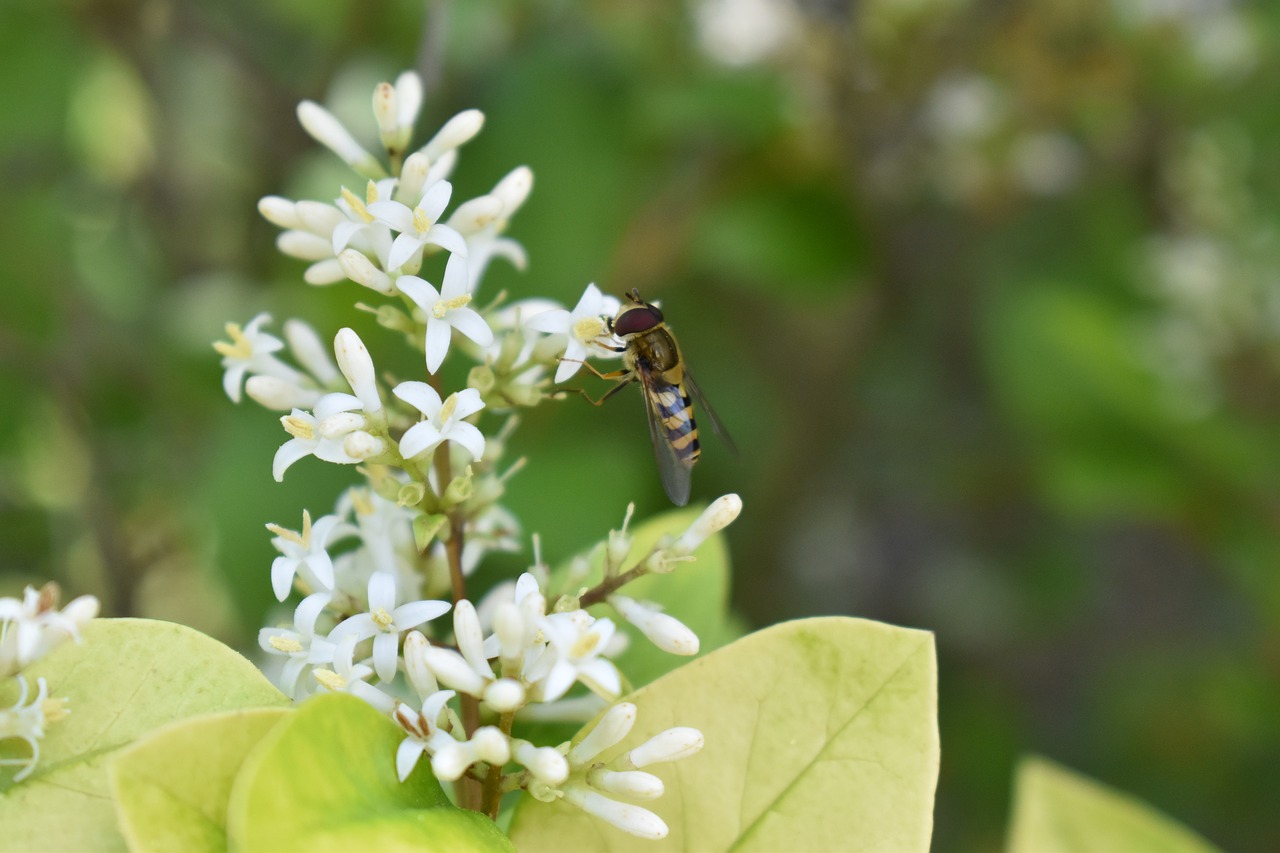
409	99
457	131
363	445
635	784
481	378
509	627
303	245
413	177
545	763
505	695
279	211
491	745
357	367
613	727
514	189
452	669
323	273
319	218
329	132
386	112
714	518
361	270
671	745
473	215
666	632
630	819
421	679
280	395
340	424
470	637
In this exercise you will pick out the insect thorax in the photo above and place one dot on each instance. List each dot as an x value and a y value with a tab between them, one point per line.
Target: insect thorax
657	348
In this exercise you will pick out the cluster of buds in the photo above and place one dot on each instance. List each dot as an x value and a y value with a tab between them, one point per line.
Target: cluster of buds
30	628
396	553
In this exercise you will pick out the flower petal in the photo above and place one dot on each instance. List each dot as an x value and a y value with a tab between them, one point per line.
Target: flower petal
402	250
416	612
437	343
472	325
468	403
446	238
436	199
421	396
386	651
407	755
466	435
393	213
418	439
555	321
290	452
382	591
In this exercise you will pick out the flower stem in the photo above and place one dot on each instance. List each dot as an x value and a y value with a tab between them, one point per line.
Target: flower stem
493	781
608	586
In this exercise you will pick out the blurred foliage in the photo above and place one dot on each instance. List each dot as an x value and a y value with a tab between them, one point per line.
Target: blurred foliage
987	292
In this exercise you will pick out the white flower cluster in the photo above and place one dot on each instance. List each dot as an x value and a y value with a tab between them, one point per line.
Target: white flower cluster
30	628
396	553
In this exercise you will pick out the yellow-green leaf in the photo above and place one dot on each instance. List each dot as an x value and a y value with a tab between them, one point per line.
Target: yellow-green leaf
1058	811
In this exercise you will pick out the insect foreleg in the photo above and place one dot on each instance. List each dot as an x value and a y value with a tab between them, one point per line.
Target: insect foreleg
607	394
612	374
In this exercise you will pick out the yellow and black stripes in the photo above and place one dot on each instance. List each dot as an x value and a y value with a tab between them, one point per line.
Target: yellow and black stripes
675	410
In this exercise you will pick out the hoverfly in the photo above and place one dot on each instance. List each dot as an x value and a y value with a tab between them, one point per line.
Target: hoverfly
651	357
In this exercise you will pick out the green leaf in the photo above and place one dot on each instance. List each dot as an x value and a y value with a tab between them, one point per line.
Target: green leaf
1058	810
325	779
821	734
127	677
171	787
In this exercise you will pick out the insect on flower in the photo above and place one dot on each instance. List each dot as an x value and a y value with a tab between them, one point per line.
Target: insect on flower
652	357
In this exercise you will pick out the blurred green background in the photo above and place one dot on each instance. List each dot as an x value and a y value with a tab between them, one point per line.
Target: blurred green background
988	292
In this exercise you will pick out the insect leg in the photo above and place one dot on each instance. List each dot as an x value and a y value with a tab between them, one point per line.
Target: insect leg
612	374
607	394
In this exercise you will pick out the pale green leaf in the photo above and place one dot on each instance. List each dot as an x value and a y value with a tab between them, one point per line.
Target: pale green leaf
1058	811
171	787
821	734
127	677
325	779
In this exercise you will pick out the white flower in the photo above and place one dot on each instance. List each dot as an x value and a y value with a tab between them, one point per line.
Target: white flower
384	621
299	644
419	226
361	230
32	627
305	553
357	367
396	109
665	632
423	731
444	419
250	351
310	351
446	310
27	722
329	132
468	669
583	326
320	434
347	676
578	641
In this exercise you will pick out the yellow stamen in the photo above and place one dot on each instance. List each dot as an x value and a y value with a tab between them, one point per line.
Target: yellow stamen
54	709
357	205
447	410
298	428
361	501
421	222
585	645
382	618
370	192
239	347
288	645
330	679
588	328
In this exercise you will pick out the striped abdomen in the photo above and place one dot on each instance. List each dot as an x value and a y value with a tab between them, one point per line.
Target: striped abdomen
675	411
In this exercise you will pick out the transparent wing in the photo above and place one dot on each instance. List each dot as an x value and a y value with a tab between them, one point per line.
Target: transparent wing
704	411
675	473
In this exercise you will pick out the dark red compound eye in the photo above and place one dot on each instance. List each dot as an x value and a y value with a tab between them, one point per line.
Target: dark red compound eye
636	320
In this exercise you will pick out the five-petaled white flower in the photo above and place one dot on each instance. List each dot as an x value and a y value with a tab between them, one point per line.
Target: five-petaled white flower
418	225
444	419
26	722
422	730
578	641
362	230
305	552
446	309
251	351
384	621
31	627
584	324
299	644
319	433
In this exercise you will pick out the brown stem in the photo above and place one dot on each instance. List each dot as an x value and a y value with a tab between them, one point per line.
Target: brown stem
608	586
492	797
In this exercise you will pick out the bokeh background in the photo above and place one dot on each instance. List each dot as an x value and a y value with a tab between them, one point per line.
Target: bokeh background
988	293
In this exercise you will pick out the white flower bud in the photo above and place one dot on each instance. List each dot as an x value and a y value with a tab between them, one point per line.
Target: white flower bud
338	425
475	214
671	745
421	679
356	365
386	110
303	245
452	669
280	395
470	637
319	218
81	610
323	273
409	99
452	760
714	518
509	627
329	132
635	784
363	445
514	189
505	695
279	211
457	131
545	763
361	270
630	819
666	632
613	727
310	351
491	745
371	695
619	544
413	177
442	166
